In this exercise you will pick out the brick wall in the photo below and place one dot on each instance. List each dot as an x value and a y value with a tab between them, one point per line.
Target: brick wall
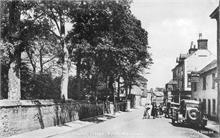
27	115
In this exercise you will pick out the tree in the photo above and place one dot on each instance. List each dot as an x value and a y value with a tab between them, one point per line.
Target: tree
15	32
56	13
43	54
114	38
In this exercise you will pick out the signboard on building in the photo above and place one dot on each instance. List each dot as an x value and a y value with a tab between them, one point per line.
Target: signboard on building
194	77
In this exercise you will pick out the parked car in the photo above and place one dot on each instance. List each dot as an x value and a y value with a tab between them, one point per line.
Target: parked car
169	107
189	112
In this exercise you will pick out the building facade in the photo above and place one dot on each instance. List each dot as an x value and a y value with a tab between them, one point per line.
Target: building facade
215	15
195	60
205	90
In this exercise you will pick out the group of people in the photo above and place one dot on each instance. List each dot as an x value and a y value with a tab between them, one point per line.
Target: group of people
152	110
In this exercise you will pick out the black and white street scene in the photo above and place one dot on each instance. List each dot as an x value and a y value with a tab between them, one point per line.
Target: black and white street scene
110	69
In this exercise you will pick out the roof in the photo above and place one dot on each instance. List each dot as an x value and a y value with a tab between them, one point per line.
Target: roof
183	56
209	67
136	90
171	82
214	14
158	94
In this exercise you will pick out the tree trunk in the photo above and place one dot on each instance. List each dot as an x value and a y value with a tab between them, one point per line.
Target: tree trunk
111	87
129	89
65	74
94	81
66	62
1	97
111	81
14	84
119	89
31	61
41	60
78	70
126	90
2	7
95	89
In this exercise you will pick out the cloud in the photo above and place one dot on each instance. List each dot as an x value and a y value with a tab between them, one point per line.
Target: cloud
181	26
160	72
172	25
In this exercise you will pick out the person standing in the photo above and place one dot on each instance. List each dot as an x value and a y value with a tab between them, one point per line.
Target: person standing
146	111
153	111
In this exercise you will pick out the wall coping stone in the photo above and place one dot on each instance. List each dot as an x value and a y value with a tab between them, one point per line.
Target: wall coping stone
32	103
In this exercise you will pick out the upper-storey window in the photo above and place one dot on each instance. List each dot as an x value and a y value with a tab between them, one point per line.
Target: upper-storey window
204	83
213	80
189	80
194	86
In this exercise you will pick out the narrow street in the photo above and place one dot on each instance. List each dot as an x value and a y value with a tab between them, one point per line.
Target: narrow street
132	125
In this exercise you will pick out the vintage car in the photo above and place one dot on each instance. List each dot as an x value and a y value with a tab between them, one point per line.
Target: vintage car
169	107
189	112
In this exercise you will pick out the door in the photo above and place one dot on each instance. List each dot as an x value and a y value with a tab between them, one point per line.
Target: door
209	108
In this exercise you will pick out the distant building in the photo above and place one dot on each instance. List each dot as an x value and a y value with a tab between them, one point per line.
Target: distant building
193	61
205	90
169	88
158	97
136	93
146	97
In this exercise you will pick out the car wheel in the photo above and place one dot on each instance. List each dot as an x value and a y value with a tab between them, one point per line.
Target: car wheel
173	121
193	114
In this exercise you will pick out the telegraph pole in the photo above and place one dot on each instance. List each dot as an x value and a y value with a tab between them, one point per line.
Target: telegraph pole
1	12
218	62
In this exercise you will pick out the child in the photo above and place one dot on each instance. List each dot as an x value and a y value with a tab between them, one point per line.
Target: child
146	112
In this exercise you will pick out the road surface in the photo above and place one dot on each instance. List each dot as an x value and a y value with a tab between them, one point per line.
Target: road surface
131	125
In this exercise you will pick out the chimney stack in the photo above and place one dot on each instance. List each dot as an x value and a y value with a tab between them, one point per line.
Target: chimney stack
192	49
202	43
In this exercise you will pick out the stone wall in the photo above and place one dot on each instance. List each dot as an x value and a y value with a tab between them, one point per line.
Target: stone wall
27	115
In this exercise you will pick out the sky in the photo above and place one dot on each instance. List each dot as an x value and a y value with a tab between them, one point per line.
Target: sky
171	26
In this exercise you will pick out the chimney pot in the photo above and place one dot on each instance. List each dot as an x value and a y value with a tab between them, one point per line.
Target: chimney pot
202	43
192	48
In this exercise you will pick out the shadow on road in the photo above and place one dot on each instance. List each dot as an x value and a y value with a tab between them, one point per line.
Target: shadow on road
206	131
98	119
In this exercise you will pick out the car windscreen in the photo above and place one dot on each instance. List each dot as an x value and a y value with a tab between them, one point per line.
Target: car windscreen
192	105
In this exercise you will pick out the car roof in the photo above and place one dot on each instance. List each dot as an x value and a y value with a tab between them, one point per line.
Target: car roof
174	103
191	101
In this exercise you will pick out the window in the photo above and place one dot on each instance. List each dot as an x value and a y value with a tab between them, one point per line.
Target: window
213	80
204	83
194	86
189	80
213	106
209	107
204	105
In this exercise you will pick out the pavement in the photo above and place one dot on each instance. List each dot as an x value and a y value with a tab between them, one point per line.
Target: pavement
78	124
214	126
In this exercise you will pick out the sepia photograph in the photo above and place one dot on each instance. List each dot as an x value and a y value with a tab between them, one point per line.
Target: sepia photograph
109	69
